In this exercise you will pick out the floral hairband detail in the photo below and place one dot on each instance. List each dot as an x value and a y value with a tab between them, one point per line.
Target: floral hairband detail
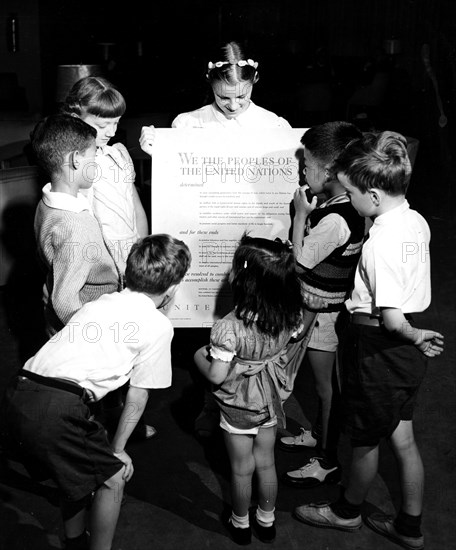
240	63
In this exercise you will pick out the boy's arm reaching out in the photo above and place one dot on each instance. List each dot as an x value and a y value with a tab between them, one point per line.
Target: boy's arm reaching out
427	341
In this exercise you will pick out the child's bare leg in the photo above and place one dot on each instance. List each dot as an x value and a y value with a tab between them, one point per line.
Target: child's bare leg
263	452
411	469
240	452
105	512
363	470
322	363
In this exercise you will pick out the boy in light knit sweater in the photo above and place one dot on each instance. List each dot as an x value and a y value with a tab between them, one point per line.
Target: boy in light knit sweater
79	267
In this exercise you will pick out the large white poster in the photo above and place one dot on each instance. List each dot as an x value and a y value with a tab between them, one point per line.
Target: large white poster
208	188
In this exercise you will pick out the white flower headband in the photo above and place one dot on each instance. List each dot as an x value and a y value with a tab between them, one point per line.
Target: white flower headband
240	63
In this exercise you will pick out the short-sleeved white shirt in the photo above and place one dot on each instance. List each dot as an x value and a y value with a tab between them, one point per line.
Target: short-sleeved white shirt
394	268
209	116
119	337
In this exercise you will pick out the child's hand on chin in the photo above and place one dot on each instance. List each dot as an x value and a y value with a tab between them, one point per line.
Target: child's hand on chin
301	202
147	138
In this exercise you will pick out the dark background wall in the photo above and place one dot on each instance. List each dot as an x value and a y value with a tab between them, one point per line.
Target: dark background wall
160	49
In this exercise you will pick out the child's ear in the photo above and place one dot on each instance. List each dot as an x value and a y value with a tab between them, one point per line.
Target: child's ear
74	160
168	296
375	196
172	289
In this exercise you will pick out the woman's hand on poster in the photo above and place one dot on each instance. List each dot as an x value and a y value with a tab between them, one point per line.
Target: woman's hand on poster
147	138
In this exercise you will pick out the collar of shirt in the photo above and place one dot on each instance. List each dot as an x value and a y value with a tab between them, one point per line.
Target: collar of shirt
394	213
64	201
110	151
230	122
141	298
338	199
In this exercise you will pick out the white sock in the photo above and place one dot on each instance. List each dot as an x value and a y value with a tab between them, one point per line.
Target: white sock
265	519
242	522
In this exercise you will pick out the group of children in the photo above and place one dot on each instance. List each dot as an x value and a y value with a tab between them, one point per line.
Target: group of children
107	279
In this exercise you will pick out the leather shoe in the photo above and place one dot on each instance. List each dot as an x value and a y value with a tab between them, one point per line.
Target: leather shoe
239	536
384	525
312	474
321	515
304	440
265	534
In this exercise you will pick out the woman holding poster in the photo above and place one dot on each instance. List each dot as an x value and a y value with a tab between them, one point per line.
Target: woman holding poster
231	78
231	75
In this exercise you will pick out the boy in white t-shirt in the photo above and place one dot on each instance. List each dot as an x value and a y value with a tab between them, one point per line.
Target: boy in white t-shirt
119	338
383	354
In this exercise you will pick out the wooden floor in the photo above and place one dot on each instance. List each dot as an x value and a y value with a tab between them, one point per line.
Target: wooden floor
181	486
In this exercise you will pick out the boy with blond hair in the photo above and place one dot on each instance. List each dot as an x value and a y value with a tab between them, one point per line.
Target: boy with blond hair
384	355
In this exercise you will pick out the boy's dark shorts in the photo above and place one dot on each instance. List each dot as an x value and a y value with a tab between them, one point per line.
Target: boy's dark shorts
381	376
51	429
